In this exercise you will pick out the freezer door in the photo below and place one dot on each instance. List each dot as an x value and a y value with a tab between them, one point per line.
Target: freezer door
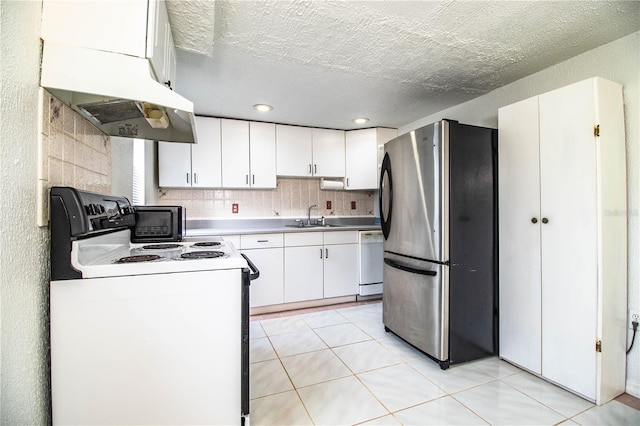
411	188
414	305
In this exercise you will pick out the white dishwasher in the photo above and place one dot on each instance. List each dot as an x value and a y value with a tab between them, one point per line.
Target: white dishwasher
370	260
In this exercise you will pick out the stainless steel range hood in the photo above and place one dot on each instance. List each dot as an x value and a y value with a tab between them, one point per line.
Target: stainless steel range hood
117	93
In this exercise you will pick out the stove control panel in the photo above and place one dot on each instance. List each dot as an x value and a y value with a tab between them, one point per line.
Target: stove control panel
88	212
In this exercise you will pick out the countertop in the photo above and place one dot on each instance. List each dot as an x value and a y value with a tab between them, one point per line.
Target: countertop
202	227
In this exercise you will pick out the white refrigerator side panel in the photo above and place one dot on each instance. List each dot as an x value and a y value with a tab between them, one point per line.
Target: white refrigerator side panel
519	207
149	349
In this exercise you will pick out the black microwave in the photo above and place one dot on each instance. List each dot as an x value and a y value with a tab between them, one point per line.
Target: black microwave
157	224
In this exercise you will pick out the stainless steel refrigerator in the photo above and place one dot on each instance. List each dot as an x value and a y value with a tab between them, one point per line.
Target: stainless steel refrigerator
438	208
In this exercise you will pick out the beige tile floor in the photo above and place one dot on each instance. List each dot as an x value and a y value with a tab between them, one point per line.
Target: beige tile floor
337	366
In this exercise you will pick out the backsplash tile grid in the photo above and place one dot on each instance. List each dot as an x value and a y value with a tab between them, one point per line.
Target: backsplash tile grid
72	153
291	198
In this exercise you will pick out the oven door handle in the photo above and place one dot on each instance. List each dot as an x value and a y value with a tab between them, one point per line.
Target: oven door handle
255	272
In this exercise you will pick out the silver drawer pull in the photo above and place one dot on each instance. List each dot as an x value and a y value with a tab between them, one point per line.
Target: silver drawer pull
263	241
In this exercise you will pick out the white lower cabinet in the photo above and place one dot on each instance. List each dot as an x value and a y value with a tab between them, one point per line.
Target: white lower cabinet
340	270
303	266
320	265
563	234
266	253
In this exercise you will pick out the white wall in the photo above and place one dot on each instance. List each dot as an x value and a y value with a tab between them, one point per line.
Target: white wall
24	352
618	61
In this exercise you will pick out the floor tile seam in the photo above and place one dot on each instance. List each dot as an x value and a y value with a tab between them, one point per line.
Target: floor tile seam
366	371
426	377
374	396
288	332
470	409
534	399
393	413
345	344
473	387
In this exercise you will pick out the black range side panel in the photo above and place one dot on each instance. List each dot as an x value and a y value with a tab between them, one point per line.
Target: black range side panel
472	242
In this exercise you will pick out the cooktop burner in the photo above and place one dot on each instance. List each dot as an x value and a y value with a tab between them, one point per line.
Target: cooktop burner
138	258
161	246
202	255
208	244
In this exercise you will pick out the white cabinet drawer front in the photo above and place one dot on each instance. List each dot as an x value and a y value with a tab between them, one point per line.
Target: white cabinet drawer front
303	239
253	241
341	237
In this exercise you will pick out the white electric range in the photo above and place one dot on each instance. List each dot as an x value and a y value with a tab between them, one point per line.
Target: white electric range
144	333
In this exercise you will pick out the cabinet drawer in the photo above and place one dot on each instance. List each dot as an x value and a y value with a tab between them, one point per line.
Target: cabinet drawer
341	237
303	239
253	241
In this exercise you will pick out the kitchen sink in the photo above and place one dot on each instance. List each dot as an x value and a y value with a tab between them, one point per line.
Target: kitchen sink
302	226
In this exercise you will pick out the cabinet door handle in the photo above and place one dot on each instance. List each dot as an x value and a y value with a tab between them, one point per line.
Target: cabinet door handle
534	220
195	178
253	179
263	241
315	169
347	181
188	178
326	253
320	253
309	168
545	220
246	179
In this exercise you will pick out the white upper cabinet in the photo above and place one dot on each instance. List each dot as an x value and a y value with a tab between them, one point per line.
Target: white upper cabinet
306	152
294	150
235	152
328	153
362	164
131	27
262	154
249	153
193	165
119	27
160	48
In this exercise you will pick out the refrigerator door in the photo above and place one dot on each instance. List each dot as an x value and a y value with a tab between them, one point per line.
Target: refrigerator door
414	218
411	188
413	305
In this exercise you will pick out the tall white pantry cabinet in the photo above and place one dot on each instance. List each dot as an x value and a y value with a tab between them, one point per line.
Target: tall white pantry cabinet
563	237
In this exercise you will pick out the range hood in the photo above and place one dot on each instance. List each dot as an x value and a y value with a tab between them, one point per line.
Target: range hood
117	93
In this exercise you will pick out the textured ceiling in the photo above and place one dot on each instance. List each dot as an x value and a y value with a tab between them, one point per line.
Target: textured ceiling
321	63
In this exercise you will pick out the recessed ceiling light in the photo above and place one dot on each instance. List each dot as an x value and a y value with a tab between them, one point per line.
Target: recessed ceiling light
360	120
263	107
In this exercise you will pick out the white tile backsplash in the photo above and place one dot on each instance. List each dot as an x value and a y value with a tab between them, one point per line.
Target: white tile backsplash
291	198
71	152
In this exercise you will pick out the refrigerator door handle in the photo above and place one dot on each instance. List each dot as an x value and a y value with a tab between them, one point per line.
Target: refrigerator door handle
406	268
386	191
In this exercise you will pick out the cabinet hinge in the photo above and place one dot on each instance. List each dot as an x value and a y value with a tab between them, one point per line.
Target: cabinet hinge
599	346
596	130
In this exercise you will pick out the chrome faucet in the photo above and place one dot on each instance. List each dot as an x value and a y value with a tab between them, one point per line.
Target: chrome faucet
309	214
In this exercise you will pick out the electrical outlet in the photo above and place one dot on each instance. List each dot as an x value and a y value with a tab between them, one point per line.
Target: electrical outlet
234	208
633	316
